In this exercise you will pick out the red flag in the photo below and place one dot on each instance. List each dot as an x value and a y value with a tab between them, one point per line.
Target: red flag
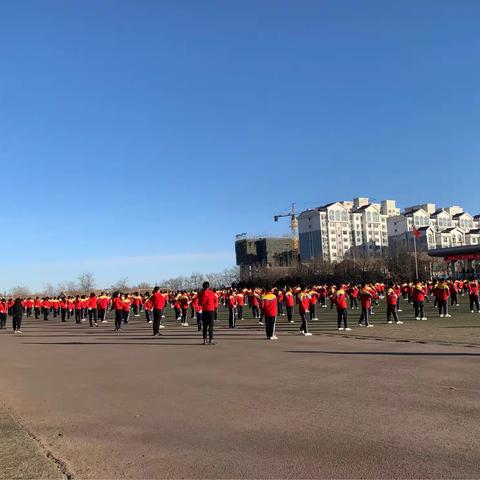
416	232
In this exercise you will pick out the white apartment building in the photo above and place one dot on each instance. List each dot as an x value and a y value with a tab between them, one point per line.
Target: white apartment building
345	229
438	227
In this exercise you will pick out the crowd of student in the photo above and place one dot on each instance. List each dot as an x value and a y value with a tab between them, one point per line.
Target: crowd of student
265	304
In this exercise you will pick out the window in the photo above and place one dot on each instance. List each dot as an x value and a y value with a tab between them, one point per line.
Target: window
369	216
344	217
376	217
337	215
331	215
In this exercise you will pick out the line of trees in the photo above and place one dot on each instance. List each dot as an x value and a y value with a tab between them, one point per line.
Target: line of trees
87	283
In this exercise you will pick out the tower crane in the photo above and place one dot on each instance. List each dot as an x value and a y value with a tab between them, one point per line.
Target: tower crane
293	228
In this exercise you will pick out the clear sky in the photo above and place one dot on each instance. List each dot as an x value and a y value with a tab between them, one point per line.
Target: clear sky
138	137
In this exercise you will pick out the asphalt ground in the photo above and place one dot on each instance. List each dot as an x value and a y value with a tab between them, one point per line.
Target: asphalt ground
393	401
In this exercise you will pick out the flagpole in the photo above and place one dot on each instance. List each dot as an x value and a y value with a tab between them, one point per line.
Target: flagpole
415	250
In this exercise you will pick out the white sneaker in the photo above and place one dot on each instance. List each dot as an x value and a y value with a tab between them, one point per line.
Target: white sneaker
399	322
448	315
104	321
340	329
369	325
185	324
441	316
424	318
417	318
19	331
399	310
348	329
162	326
308	334
390	321
291	321
274	338
150	321
260	323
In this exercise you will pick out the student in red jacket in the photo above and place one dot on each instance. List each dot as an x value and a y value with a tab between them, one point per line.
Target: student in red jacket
77	304
117	305
473	290
3	313
158	303
442	292
392	305
208	302
303	308
289	303
92	306
37	306
366	304
102	305
418	294
269	307
340	300
240	300
46	305
63	308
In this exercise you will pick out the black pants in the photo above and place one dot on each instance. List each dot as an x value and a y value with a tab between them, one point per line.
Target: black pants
157	320
37	312
474	301
126	315
304	325
29	312
118	319
255	311
270	326
240	312
64	314
364	316
148	315
231	318
135	309
312	309
342	317
92	316
17	323
454	299
290	314
208	320
419	306
199	320
280	308
78	315
46	312
392	311
353	302
3	320
442	307
102	314
184	315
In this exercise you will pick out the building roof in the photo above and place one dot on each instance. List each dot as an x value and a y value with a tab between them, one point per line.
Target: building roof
463	250
475	231
449	230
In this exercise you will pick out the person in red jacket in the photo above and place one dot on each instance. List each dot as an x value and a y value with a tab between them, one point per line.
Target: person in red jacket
473	290
453	294
208	302
366	296
117	305
46	305
240	300
340	300
3	313
148	307
419	292
158	303
353	294
198	311
303	308
102	304
232	306
289	303
269	307
37	306
442	292
92	306
392	305
63	308
77	304
312	308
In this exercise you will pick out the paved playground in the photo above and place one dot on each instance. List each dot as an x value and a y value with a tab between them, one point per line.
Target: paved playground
332	405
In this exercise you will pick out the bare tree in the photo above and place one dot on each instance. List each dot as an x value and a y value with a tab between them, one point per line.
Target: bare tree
144	286
86	282
20	292
121	285
49	290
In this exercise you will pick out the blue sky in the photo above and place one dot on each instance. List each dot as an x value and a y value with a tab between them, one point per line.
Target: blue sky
138	137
